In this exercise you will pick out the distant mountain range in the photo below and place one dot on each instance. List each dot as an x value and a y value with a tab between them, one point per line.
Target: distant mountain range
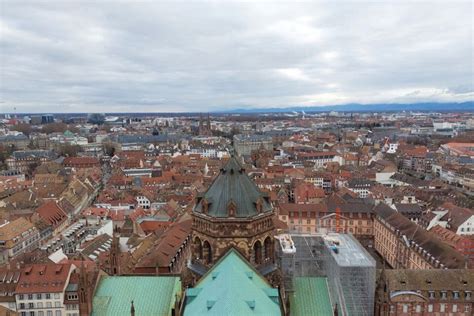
355	107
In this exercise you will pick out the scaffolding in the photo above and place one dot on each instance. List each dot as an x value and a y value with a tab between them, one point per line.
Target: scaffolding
348	267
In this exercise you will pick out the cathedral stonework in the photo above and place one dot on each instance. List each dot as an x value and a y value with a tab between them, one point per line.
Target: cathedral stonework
233	213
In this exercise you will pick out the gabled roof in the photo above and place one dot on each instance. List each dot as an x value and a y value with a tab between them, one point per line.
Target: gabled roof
232	287
44	278
151	295
233	186
311	297
51	213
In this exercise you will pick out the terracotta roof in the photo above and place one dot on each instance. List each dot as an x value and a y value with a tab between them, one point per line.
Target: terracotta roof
430	280
14	229
167	245
286	208
43	278
51	213
438	249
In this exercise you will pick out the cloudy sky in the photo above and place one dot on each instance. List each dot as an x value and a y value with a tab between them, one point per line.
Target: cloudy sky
104	56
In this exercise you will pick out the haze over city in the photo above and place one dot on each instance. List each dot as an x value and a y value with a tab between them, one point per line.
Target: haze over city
209	56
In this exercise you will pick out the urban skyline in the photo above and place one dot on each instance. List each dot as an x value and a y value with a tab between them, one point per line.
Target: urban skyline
179	57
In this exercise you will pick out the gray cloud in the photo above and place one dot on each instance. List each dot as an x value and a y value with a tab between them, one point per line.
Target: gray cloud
88	56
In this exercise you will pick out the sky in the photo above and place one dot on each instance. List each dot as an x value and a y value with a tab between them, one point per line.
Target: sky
140	56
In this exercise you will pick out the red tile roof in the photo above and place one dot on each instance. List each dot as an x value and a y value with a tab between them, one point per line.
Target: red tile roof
51	213
43	278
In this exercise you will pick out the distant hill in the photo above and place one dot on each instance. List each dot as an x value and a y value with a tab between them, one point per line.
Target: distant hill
355	107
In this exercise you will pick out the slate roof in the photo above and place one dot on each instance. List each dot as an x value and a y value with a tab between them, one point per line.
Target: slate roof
233	184
232	287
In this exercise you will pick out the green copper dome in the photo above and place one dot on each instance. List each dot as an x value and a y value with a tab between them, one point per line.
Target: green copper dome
233	194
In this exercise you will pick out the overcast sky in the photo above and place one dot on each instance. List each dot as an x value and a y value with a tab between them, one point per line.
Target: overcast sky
104	56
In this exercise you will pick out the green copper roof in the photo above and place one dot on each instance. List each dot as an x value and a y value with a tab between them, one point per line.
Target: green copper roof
233	185
311	297
232	287
151	295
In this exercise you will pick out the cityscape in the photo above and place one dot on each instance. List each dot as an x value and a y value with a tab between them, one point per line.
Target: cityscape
236	158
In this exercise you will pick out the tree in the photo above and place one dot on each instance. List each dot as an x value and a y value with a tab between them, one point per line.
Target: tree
23	128
69	150
109	149
54	128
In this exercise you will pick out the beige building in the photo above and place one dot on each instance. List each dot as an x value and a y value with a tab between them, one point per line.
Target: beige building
406	292
405	245
17	237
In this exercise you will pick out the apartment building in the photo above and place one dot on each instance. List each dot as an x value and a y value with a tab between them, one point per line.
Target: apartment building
17	237
406	292
405	245
41	290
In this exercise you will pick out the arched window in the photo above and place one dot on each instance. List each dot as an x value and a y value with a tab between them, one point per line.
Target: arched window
197	248
207	252
257	252
268	249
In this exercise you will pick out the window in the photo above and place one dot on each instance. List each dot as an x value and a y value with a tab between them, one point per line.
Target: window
442	307
39	304
49	305
58	313
49	313
444	295
72	297
32	313
418	308
468	295
48	296
31	305
22	305
431	294
40	313
23	313
57	304
430	308
21	297
38	296
405	308
456	295
56	295
455	308
30	296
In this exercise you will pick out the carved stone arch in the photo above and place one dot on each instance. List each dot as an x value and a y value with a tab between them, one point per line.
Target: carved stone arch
268	249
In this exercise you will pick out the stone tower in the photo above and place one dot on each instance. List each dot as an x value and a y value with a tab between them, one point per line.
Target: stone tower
233	212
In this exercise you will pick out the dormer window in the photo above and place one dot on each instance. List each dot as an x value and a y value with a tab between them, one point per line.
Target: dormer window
205	206
259	205
231	208
444	295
